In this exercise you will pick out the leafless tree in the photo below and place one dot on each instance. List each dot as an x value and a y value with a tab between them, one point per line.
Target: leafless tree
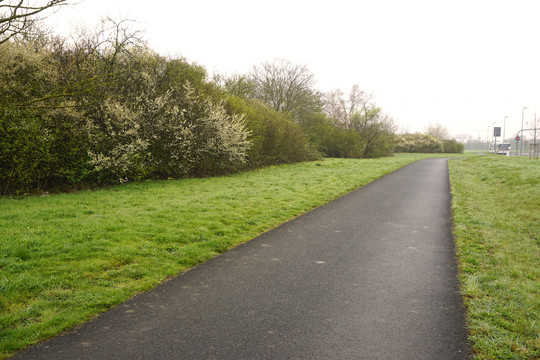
18	16
286	87
437	131
109	40
341	108
358	113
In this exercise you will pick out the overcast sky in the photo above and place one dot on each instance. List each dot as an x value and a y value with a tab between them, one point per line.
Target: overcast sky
462	63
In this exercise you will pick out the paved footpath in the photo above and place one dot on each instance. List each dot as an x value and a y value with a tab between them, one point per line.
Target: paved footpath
371	275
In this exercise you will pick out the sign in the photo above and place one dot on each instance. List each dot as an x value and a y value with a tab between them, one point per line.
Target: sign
497	131
517	138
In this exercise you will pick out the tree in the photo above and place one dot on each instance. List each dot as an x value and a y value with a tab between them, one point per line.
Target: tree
17	17
275	138
376	130
356	112
286	87
241	86
418	143
106	109
437	131
341	108
452	146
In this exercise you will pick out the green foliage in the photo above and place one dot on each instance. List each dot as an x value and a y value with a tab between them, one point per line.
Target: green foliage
38	152
275	138
418	143
332	140
374	130
106	109
453	146
238	85
435	140
24	151
159	125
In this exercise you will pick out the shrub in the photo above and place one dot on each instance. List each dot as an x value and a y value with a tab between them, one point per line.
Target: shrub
418	143
111	116
453	146
333	140
39	152
275	138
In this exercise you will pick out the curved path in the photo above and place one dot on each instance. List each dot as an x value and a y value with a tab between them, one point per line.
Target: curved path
371	275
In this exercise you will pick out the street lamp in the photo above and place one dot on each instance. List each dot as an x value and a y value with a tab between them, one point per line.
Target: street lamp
494	140
504	127
487	139
522	115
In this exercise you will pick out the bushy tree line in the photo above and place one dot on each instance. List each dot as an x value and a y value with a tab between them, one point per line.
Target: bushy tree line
336	125
418	143
436	139
103	108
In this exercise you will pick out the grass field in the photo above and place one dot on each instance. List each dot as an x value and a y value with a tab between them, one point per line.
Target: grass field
66	257
496	207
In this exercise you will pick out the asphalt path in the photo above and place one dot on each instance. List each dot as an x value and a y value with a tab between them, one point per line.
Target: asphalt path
371	275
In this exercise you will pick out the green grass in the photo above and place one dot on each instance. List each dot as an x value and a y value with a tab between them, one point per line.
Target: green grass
66	257
496	207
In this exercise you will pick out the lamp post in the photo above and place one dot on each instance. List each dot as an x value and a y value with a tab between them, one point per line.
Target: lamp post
522	116
504	127
487	138
494	140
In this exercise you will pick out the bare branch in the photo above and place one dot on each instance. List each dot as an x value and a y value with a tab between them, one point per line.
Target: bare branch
286	87
17	16
341	109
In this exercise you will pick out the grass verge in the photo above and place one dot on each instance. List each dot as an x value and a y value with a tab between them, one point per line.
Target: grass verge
66	257
496	208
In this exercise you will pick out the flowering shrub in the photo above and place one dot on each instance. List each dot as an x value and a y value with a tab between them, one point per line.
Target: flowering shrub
418	143
110	116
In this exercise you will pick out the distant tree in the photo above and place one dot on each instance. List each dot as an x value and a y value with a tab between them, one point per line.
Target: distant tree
418	143
238	85
452	146
356	112
437	131
286	87
376	130
17	17
275	138
441	133
534	125
341	108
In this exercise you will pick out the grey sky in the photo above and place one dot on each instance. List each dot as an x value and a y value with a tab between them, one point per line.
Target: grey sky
464	64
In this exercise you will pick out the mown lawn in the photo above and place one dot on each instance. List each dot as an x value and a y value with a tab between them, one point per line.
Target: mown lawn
496	207
66	257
